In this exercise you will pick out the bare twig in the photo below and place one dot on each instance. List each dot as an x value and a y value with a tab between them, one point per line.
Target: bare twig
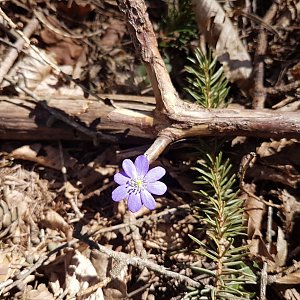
264	272
157	147
281	89
144	263
259	92
139	221
28	43
144	39
19	44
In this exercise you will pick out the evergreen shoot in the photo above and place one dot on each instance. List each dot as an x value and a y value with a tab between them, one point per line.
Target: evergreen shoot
221	215
207	84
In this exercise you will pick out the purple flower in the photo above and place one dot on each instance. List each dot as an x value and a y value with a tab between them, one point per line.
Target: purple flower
137	184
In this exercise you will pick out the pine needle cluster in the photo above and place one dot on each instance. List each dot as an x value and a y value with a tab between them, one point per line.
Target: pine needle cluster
207	84
221	213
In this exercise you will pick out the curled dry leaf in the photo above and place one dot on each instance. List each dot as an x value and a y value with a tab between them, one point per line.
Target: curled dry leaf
290	208
282	248
113	35
31	70
11	260
285	174
270	148
23	196
117	288
292	278
81	275
223	37
291	294
53	220
254	210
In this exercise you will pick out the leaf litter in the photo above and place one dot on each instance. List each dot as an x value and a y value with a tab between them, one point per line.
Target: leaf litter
42	183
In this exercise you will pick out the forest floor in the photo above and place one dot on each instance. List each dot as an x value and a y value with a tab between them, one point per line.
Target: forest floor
56	206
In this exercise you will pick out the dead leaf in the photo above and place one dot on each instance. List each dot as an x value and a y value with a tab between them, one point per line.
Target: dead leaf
31	70
254	210
282	248
40	293
223	37
4	267
270	148
53	220
292	278
285	174
291	294
113	35
50	160
258	249
76	10
291	207
81	275
117	288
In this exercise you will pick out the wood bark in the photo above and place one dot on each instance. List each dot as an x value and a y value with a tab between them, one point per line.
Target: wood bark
22	119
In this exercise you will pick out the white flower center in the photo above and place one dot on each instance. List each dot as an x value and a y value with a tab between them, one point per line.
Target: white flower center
136	185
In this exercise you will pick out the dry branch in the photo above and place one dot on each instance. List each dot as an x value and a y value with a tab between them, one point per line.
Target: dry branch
26	120
259	92
12	55
144	39
173	118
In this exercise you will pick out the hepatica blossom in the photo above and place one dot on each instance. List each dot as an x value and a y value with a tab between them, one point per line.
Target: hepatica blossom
137	183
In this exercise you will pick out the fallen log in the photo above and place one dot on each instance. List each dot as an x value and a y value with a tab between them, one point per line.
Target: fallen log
125	116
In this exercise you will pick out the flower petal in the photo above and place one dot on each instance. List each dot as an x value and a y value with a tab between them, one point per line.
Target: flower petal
156	188
120	178
119	193
134	202
142	165
148	199
129	168
155	174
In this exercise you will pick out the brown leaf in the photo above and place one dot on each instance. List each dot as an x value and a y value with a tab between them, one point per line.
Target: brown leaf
53	220
65	50
113	35
40	293
51	159
117	288
291	207
258	248
32	70
270	148
254	210
285	174
282	248
223	37
81	275
293	278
